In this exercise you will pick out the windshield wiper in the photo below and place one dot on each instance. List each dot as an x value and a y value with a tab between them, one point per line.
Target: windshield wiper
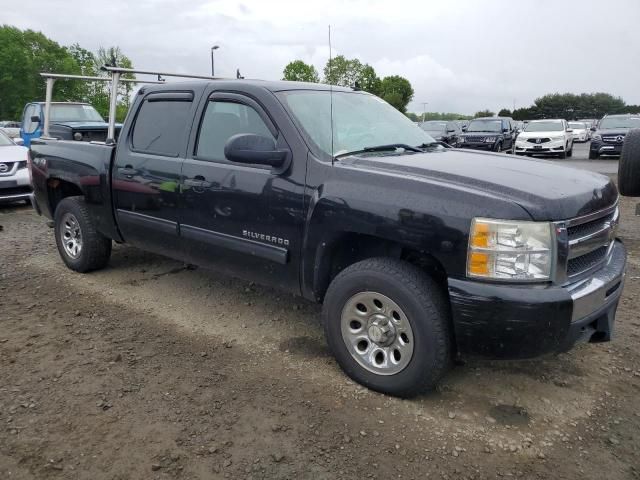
381	148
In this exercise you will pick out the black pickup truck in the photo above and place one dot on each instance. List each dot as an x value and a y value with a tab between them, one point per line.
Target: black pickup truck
417	252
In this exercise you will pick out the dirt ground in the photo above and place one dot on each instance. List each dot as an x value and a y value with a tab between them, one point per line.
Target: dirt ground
152	370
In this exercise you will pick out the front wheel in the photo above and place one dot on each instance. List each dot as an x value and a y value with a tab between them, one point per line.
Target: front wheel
570	151
81	247
388	326
593	155
498	147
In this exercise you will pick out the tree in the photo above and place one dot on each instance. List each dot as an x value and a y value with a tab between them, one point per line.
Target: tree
439	116
24	54
298	71
351	73
572	106
485	113
113	57
397	91
505	112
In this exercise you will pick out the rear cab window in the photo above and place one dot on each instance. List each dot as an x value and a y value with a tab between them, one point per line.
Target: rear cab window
162	123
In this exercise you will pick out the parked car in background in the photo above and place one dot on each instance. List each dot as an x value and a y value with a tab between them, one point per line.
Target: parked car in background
443	131
590	122
490	133
67	121
608	136
463	124
519	126
546	137
15	183
581	132
12	129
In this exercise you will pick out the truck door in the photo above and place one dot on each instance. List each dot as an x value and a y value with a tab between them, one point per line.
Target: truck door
30	129
146	173
243	219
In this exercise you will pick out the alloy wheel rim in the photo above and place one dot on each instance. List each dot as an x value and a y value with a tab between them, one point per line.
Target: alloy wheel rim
377	333
71	235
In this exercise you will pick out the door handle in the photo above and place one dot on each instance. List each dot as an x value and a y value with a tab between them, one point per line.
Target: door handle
127	171
196	183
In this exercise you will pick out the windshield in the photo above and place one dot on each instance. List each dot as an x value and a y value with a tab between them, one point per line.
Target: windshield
360	120
434	126
74	113
485	126
619	122
4	140
579	126
552	126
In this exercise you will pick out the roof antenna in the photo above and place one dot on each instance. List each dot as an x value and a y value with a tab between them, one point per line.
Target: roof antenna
331	96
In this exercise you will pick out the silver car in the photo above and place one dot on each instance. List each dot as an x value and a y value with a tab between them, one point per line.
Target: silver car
15	183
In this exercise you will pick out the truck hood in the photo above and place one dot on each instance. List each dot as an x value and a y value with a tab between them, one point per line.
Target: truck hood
86	125
547	191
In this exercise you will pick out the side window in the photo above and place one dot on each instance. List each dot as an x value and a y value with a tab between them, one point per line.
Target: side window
223	119
28	125
160	127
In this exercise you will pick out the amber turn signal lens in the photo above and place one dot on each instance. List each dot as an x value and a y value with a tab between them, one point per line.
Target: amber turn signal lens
479	264
480	235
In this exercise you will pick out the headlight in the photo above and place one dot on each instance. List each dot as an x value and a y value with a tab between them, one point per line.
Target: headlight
77	136
510	250
490	139
596	136
556	139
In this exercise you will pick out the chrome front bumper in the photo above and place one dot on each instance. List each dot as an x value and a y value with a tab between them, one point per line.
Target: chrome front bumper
602	289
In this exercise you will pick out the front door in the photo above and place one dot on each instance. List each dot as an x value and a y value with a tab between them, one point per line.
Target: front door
246	220
146	174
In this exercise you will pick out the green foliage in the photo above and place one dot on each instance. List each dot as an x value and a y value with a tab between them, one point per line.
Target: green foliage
505	112
24	54
438	116
572	106
397	91
298	71
484	113
351	73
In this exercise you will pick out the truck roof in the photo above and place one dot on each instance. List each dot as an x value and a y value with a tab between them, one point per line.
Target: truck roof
270	85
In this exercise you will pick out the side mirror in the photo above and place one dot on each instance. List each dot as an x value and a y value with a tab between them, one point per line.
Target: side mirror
464	129
593	129
569	130
254	149
35	118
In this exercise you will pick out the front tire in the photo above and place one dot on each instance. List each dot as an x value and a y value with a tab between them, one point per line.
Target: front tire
387	324
629	165
570	152
593	155
81	247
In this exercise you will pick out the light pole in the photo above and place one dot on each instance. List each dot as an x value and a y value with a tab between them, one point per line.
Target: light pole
424	110
213	49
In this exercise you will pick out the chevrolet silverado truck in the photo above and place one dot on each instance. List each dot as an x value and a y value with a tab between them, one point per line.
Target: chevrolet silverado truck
417	252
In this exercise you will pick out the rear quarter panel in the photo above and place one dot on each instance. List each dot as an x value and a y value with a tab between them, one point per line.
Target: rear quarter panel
84	165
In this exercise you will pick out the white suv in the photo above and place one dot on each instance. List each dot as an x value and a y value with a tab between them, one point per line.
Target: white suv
546	137
15	183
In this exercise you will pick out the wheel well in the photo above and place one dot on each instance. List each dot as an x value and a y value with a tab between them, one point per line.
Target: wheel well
59	190
350	248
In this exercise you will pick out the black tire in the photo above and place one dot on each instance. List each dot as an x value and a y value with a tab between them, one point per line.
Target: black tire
570	152
498	147
629	165
562	154
593	155
426	310
95	248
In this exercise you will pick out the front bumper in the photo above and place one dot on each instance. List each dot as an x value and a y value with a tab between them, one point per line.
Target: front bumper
479	146
605	148
15	187
548	148
507	321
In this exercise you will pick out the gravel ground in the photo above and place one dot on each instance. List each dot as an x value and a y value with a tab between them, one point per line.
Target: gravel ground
148	369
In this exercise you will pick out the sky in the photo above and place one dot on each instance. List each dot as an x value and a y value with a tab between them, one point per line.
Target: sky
460	56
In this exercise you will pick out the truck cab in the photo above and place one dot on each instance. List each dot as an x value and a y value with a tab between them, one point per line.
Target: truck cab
69	121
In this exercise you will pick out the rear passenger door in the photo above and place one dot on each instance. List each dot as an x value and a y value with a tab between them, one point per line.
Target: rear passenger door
146	174
244	219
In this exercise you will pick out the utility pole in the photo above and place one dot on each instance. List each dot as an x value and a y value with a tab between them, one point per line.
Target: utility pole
424	110
213	49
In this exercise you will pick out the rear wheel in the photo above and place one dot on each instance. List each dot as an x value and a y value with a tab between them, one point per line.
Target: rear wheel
80	245
629	165
387	324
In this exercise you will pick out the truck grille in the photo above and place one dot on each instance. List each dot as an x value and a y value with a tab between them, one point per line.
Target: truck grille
474	138
589	240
